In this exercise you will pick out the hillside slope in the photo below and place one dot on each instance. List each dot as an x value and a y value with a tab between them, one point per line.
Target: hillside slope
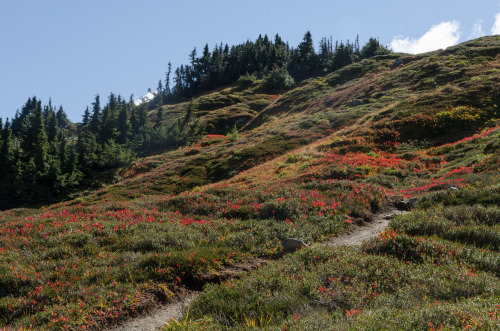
310	163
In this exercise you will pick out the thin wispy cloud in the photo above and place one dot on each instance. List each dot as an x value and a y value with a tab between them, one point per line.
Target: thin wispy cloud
477	30
442	35
496	26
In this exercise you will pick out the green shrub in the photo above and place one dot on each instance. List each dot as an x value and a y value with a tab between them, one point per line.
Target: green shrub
234	135
246	80
278	80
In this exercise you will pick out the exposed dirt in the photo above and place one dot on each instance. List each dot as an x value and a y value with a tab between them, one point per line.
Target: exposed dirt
359	233
159	316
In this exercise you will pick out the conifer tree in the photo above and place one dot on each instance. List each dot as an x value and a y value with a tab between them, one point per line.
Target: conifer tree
307	55
5	151
134	121
63	153
52	127
159	117
86	117
167	90
95	120
41	142
372	48
71	165
343	56
123	125
62	118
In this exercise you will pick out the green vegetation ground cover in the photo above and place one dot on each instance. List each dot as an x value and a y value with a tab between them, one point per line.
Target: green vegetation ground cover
402	280
165	225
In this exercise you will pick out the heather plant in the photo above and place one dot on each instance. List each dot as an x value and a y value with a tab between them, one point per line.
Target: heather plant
344	286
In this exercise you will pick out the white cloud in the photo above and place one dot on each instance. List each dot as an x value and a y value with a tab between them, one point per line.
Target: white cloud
442	35
149	96
496	27
477	30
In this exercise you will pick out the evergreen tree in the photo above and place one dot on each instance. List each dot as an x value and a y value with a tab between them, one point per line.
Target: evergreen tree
63	153
123	125
86	117
71	165
52	127
134	122
306	47
167	81
306	55
373	48
142	115
62	119
343	56
87	150
159	93
5	152
159	117
95	120
41	142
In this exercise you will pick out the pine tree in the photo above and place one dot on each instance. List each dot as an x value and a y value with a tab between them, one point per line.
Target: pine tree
167	81
142	115
159	118
63	153
6	166
5	152
71	165
95	120
373	48
343	56
52	127
41	141
134	122
62	118
159	93
123	125
307	55
86	117
87	149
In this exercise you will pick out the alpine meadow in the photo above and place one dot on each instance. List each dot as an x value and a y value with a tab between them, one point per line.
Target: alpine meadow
263	186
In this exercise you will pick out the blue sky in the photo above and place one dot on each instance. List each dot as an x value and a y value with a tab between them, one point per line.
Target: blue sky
72	50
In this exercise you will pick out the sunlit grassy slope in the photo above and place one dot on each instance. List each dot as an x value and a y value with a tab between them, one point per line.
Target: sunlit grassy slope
310	163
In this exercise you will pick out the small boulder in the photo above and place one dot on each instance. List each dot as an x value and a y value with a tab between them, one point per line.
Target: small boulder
399	62
356	102
292	244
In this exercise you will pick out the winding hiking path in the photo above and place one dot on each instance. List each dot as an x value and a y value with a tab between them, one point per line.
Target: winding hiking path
358	234
157	317
355	236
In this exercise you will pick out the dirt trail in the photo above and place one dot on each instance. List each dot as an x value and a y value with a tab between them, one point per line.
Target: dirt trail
358	234
158	317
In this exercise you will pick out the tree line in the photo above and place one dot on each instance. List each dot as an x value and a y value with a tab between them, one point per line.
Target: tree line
45	156
224	64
